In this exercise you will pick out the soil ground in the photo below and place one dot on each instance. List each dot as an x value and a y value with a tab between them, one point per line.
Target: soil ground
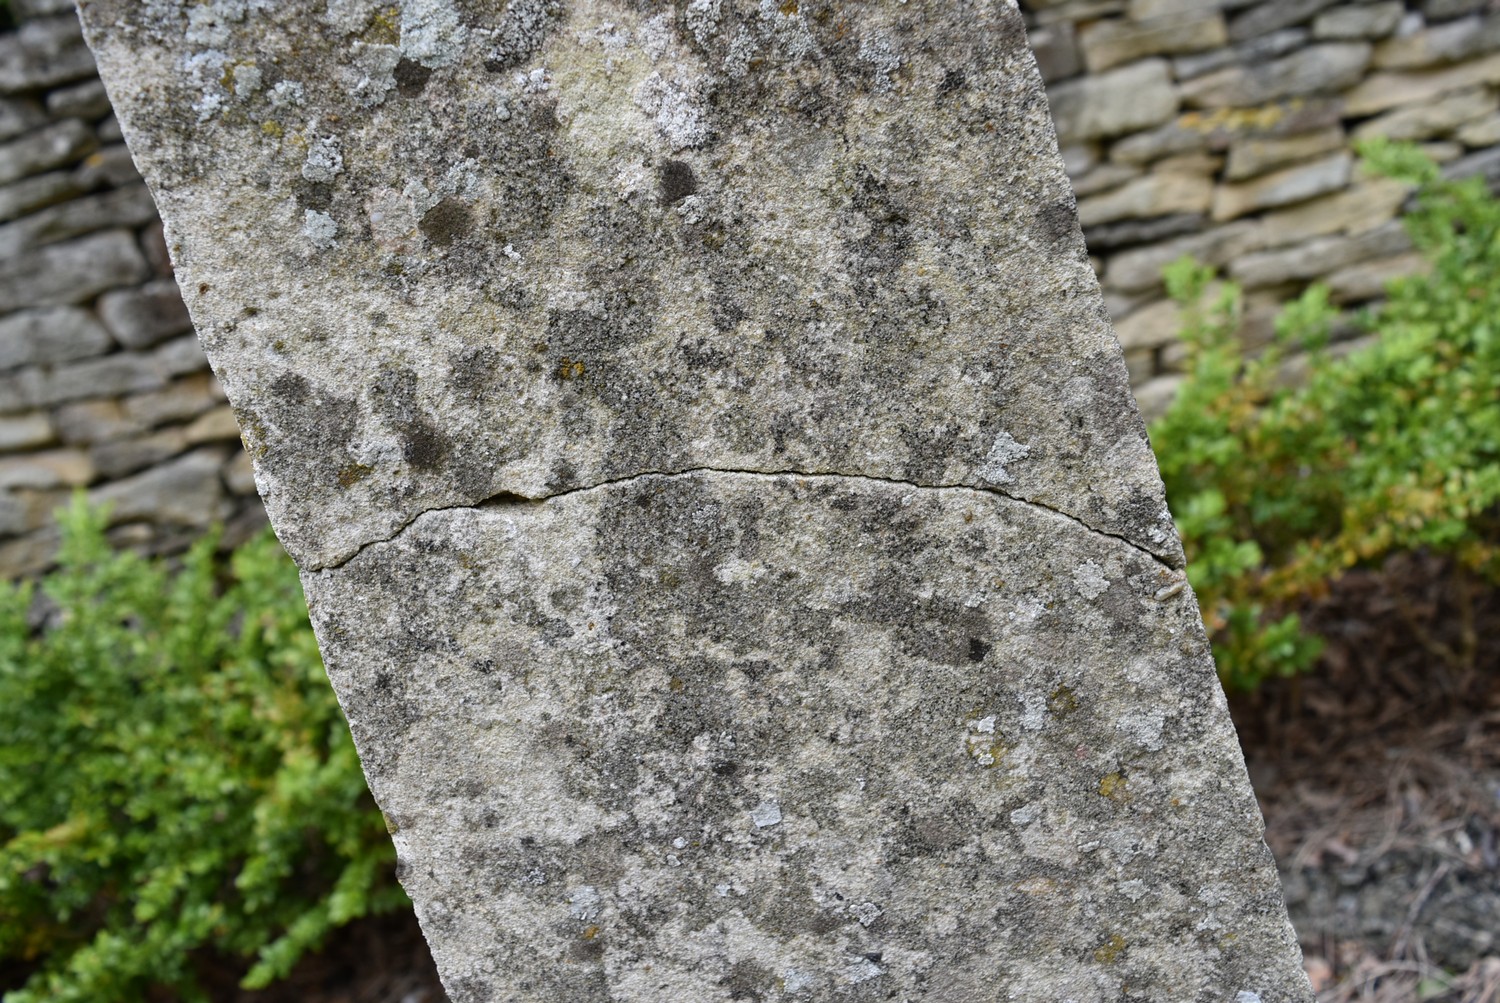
1379	776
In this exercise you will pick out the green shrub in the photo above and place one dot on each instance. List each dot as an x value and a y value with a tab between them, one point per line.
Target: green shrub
176	780
1280	485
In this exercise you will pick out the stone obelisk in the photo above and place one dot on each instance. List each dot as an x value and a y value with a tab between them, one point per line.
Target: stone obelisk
717	490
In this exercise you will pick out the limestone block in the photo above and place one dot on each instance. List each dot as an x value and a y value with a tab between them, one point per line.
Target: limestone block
1155	396
30	194
1442	10
181	400
1283	187
1129	232
184	492
1149	10
29	554
239	474
25	510
53	146
71	272
1382	91
1318	257
1056	49
108	376
180	356
218	425
1367	280
18	115
1152	326
1119	101
717	493
1358	21
25	431
154	247
1436	118
145	315
50	335
1484	132
1269	15
1140	269
120	457
1140	363
1251	53
1357	209
50	469
1104	177
121	207
90	421
1107	44
1323	68
109	166
45	52
1172	139
85	100
41	8
1482	163
1252	155
1450	42
1155	194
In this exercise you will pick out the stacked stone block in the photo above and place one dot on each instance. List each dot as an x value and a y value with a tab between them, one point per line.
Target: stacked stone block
1224	130
102	383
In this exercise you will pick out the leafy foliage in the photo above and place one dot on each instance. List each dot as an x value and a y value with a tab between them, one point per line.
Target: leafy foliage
175	775
1281	481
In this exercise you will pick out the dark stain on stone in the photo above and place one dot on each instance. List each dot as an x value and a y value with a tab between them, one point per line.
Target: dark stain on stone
977	649
677	181
1059	221
411	76
316	195
953	80
423	446
446	222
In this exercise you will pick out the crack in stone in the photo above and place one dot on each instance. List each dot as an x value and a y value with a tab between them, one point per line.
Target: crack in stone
502	499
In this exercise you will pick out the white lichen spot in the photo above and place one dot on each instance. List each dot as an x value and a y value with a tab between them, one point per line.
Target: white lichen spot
510	252
789	28
879	53
286	93
1089	577
1005	449
349	16
534	81
324	162
738	571
766	814
1134	889
740	53
431	32
1033	711
985	725
862	970
1246	996
693	209
675	106
320	229
1026	814
866	913
795	981
375	72
702	18
656	36
247	80
1144	727
980	741
393	223
211	23
205	72
583	902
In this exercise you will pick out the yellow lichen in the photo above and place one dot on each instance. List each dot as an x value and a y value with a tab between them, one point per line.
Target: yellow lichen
1114	787
352	473
1110	951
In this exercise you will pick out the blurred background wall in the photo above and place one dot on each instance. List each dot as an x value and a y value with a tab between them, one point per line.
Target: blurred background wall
1220	129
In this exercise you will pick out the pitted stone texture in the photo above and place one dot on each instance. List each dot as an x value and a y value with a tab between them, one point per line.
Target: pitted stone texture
734	736
446	255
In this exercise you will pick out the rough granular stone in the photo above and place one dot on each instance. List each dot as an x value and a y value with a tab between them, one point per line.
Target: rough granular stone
717	493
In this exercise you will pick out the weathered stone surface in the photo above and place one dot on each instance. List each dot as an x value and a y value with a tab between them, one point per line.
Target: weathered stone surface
1357	209
51	469
18	115
1255	51
85	100
44	53
1440	43
1155	194
58	334
1442	10
146	315
88	422
1132	97
1261	18
185	492
1252	155
1056	50
1152	326
121	207
110	166
1147	10
1107	44
181	400
1126	233
1381	91
239	474
1283	187
71	272
34	193
1323	68
120	457
58	144
1104	177
1437	118
218	425
1358	21
717	492
1141	268
1155	396
107	376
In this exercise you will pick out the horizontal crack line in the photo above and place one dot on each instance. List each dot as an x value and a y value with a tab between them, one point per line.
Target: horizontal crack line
503	499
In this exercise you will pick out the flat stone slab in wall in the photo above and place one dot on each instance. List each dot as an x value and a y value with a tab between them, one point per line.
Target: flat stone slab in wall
718	494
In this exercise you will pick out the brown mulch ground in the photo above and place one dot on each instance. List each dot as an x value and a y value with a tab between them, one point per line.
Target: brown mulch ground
1379	776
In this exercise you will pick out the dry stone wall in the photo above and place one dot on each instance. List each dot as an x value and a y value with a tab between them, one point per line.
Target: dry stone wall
1215	128
102	383
1224	130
